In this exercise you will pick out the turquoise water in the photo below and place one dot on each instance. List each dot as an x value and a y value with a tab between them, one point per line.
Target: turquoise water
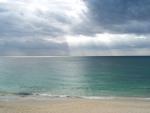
76	76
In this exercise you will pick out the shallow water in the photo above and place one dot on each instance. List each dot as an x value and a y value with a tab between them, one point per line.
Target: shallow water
75	76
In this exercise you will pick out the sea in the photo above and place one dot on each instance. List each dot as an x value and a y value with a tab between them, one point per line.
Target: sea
82	77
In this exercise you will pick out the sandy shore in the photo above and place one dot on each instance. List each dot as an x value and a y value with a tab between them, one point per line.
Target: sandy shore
74	106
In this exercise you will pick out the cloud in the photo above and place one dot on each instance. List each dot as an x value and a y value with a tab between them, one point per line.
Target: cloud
32	46
37	27
36	17
75	27
109	44
113	27
116	16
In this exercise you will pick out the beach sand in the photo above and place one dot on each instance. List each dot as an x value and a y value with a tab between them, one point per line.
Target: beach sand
75	106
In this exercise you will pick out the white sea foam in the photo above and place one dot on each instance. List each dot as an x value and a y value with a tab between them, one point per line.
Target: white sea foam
97	97
90	97
50	96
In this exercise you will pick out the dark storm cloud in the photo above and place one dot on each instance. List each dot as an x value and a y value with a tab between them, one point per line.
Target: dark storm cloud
117	16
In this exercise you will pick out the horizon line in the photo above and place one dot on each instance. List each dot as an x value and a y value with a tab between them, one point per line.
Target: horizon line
83	56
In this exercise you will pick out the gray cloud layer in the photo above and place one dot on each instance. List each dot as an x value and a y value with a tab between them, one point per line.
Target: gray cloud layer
17	21
41	27
25	27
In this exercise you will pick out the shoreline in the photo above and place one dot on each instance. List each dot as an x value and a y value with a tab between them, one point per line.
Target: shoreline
51	97
73	105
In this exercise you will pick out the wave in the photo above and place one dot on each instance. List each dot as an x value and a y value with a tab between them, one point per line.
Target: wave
50	96
90	97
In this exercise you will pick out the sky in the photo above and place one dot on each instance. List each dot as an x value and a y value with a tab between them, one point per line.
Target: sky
74	27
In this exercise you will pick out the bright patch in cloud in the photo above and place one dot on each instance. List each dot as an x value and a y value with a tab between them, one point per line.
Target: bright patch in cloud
102	38
108	44
3	1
